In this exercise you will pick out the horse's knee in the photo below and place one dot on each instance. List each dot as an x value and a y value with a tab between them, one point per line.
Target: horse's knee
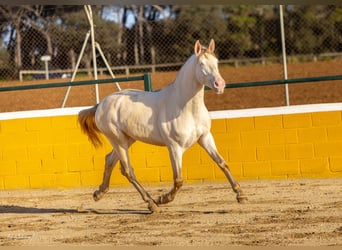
110	160
223	166
127	173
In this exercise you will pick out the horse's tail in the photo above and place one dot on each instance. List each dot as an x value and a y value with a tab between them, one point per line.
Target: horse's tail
86	118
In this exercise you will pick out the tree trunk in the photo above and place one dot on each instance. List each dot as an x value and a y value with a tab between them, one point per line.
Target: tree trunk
152	48
141	33
72	57
49	43
87	62
153	55
136	49
119	56
17	57
123	50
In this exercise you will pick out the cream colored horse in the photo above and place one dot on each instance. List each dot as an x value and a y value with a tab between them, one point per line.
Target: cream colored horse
175	117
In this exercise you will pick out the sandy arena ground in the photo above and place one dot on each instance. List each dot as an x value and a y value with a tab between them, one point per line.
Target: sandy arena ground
279	213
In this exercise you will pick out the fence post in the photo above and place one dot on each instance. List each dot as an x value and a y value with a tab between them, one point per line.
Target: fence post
283	48
147	82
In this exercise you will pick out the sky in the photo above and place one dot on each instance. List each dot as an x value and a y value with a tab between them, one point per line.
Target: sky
109	14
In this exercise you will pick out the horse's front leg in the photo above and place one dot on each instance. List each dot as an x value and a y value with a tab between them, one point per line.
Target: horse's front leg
176	153
111	160
208	143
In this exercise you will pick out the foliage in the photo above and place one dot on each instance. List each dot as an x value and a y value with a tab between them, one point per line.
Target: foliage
163	33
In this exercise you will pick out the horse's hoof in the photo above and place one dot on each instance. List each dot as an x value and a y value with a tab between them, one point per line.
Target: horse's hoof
153	207
241	198
97	195
161	200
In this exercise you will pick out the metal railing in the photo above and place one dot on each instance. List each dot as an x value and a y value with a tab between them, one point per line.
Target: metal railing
236	62
287	81
148	84
146	78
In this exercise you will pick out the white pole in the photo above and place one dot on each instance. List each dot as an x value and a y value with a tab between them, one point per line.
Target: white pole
92	34
284	53
46	60
76	68
107	65
46	70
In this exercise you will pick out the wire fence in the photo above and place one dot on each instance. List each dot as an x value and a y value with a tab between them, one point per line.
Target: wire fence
159	38
153	35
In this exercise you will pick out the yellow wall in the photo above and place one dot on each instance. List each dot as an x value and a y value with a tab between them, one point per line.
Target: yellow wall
51	152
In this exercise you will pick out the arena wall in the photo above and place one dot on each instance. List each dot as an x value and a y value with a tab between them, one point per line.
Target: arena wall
46	149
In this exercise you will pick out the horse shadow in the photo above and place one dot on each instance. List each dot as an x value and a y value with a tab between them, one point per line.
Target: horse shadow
14	209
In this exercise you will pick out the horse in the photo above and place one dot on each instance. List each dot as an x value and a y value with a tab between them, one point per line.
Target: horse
175	117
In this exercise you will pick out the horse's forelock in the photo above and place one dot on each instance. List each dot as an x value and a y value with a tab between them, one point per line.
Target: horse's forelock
205	50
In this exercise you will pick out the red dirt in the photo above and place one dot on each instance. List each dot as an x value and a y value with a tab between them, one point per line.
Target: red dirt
252	97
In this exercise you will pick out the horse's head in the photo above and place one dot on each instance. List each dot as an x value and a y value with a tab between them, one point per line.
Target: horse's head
207	71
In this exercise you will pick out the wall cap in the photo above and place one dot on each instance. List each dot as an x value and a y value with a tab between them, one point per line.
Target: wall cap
223	114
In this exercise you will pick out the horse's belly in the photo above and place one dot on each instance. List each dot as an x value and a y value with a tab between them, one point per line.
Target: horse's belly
143	132
138	121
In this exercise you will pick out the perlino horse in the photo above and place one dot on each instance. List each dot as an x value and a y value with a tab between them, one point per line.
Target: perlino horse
175	117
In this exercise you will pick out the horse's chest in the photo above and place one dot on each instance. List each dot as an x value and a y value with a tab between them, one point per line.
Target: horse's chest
187	133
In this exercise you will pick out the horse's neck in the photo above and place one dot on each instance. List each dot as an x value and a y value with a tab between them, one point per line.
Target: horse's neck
188	91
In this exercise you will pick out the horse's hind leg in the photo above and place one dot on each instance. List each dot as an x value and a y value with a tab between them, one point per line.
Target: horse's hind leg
111	160
128	172
207	142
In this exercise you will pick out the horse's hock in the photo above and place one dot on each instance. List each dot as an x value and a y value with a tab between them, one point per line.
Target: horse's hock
42	150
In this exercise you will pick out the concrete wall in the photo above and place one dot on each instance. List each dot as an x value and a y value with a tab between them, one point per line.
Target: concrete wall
46	149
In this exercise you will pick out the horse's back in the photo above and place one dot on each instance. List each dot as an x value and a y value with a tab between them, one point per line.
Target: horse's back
133	112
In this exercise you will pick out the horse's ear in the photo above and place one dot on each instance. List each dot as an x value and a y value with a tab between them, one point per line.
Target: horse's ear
211	46
197	48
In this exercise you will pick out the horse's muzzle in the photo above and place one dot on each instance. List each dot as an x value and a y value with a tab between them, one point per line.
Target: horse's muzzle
218	85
